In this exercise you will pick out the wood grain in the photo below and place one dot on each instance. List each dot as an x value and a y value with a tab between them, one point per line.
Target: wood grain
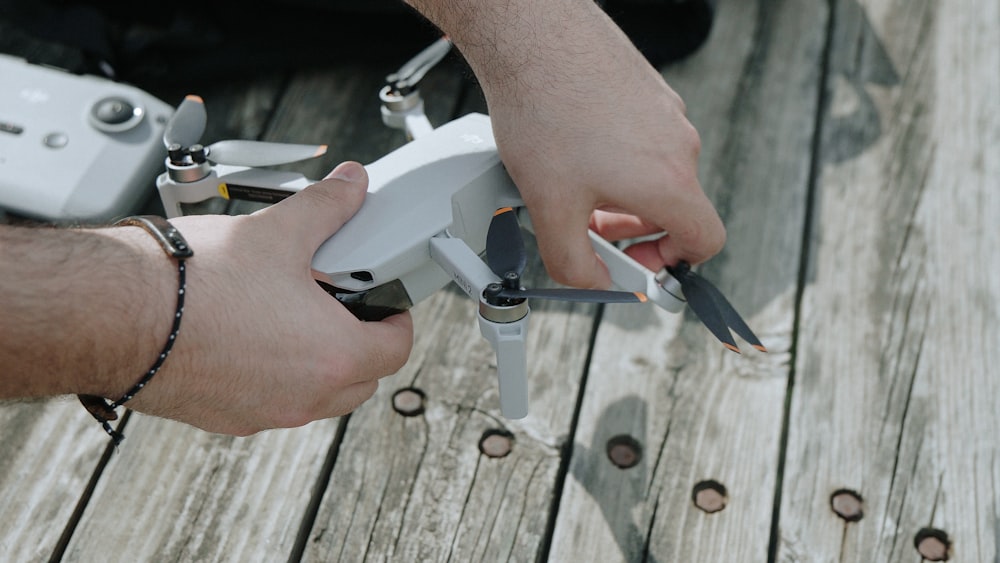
699	412
896	393
48	452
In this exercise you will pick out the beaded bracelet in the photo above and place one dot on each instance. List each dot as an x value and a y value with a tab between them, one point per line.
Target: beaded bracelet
176	247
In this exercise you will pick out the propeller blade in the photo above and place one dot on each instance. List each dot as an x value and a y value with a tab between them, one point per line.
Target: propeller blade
728	312
414	70
703	305
504	245
575	295
187	124
259	153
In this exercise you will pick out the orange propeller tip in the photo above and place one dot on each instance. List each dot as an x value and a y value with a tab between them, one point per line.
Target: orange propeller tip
760	347
194	98
642	296
320	150
503	210
731	347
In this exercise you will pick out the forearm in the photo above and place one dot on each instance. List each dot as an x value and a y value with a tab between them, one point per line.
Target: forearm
82	311
515	45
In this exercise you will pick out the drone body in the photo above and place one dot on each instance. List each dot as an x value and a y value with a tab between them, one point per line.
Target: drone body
446	184
439	209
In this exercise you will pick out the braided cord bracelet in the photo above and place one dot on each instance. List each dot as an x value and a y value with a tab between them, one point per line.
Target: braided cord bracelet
176	247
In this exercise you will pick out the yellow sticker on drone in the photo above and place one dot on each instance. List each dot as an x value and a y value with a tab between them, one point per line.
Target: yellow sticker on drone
224	190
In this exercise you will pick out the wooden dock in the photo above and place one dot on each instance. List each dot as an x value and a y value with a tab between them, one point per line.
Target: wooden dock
853	150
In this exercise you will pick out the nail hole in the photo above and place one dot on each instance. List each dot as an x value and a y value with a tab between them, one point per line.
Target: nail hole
409	401
710	496
847	504
624	451
496	443
932	544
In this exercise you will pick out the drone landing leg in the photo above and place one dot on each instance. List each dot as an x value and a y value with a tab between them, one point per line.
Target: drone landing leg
504	326
507	340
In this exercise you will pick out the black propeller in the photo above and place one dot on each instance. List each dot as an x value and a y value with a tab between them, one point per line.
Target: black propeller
712	307
506	256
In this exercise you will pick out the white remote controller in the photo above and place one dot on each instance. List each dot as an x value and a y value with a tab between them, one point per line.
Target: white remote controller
75	148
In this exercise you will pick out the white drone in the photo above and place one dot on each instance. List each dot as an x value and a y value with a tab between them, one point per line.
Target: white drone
434	206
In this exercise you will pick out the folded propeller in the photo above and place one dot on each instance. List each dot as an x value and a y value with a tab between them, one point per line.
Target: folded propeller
507	258
713	309
184	130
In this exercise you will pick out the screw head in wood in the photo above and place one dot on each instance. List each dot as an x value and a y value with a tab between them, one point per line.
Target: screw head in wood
847	504
496	443
624	451
710	496
409	401
932	544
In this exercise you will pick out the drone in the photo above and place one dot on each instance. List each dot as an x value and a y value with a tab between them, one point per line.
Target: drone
440	209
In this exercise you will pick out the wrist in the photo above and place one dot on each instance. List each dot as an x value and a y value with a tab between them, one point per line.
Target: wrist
84	309
163	277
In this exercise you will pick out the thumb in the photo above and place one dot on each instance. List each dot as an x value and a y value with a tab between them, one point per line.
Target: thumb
314	214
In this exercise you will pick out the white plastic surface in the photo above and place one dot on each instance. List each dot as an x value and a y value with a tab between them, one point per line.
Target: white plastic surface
88	175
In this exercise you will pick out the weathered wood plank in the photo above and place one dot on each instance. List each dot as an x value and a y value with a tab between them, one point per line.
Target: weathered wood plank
896	394
175	493
48	452
698	412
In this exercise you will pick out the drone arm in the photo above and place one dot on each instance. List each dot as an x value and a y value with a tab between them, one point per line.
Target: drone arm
630	275
173	193
405	112
229	182
466	269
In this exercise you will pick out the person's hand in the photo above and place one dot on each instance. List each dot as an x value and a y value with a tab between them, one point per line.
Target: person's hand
261	344
584	123
603	131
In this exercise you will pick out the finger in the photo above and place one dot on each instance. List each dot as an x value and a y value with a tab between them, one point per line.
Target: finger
615	226
566	250
661	252
383	347
694	229
314	214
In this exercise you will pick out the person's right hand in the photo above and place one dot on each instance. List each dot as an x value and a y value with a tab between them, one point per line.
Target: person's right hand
590	132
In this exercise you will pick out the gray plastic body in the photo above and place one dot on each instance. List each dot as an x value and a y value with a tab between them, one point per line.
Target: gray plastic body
446	183
75	148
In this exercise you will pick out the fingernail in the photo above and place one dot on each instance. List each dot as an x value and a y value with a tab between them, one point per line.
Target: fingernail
348	172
